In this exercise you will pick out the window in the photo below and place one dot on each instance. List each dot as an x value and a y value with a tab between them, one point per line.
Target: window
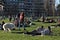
21	0
10	0
14	0
14	3
21	3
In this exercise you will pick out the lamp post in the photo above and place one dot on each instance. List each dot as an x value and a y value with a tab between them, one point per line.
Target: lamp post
1	9
53	8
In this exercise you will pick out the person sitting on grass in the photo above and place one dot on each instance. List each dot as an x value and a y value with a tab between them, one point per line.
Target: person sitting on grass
16	22
8	27
2	24
10	18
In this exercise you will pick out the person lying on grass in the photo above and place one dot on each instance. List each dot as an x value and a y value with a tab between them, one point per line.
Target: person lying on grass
36	32
8	27
46	31
40	31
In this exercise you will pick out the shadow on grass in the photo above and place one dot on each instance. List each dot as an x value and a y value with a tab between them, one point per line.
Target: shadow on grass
32	33
17	32
49	22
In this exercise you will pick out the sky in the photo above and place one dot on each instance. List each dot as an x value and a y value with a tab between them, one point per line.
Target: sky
56	2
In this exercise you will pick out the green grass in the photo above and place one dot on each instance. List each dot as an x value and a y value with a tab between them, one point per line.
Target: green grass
17	36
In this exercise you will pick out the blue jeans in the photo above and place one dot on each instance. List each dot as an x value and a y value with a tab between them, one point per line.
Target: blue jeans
22	25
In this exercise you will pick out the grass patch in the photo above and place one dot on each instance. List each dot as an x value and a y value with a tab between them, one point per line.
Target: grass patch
21	36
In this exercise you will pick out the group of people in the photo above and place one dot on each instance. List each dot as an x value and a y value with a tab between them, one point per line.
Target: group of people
20	20
17	21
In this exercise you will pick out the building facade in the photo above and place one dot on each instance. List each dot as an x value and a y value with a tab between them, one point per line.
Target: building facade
11	7
39	8
30	7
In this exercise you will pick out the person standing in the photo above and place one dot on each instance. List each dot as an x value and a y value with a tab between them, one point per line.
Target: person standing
21	19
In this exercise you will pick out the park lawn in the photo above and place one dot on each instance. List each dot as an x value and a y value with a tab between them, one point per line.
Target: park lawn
21	36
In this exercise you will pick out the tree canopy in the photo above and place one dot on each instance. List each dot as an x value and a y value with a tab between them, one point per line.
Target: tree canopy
58	6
